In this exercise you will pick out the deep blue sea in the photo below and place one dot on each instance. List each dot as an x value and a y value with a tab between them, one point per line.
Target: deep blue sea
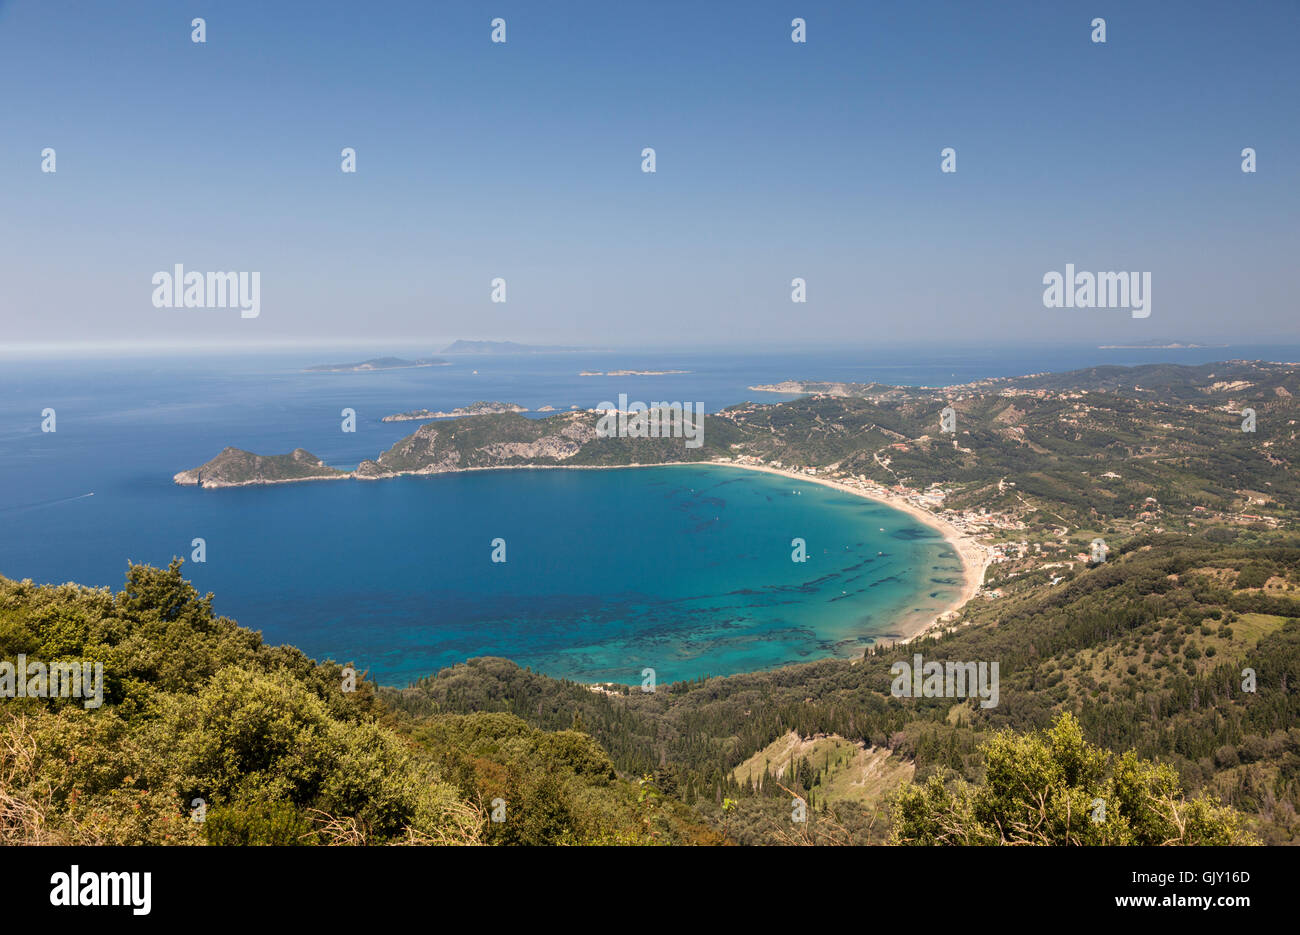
685	570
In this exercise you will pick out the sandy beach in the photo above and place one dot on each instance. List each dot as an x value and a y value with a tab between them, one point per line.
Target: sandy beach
975	558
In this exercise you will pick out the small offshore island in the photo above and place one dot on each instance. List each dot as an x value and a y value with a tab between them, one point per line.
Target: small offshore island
377	363
1173	346
629	373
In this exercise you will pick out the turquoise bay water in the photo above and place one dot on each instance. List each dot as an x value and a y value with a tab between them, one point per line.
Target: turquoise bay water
686	570
683	569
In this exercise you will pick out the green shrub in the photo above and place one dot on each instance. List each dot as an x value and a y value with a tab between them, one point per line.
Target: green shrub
267	823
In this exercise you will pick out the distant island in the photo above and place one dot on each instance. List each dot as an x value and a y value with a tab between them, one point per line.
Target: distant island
505	347
1175	346
473	409
628	373
377	363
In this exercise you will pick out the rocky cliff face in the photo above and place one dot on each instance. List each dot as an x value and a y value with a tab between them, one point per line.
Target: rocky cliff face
426	450
558	446
488	442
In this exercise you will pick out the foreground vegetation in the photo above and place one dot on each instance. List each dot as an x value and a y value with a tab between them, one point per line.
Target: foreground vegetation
1148	651
201	719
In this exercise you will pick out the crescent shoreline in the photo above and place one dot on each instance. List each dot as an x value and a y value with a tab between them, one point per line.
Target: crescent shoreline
975	557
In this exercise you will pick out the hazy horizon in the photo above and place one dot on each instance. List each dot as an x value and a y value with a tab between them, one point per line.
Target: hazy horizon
378	347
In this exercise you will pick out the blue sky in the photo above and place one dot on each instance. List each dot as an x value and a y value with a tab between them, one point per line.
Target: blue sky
522	160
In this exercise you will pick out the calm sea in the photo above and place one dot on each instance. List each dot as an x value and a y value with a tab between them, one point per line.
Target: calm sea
685	570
